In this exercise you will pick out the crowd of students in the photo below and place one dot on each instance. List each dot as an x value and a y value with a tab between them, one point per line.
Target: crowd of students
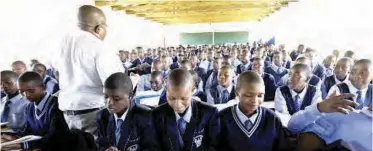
207	97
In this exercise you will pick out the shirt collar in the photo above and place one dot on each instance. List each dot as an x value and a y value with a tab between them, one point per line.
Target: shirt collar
353	89
41	104
187	116
243	118
337	81
221	89
301	94
160	91
123	117
15	99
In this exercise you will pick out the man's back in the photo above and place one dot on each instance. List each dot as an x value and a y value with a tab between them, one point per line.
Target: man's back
83	66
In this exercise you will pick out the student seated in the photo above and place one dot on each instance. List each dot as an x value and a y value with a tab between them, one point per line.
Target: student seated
259	53
350	54
19	67
198	94
144	82
247	125
194	62
13	104
245	59
329	64
313	80
353	129
298	94
124	125
50	83
225	90
43	118
298	53
212	75
176	65
341	71
142	62
269	80
151	97
183	123
316	68
276	69
359	83
165	65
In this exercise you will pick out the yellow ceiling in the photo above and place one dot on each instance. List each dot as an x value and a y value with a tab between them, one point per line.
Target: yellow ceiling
202	11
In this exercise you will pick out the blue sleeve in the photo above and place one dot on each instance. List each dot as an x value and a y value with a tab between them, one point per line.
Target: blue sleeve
102	141
213	131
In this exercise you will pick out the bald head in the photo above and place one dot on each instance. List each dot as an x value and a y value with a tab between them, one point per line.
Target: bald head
248	78
93	20
180	78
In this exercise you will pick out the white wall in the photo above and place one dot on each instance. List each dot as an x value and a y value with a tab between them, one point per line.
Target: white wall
34	28
172	32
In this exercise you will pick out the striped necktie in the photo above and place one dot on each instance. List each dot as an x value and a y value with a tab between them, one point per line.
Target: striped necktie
359	100
181	124
297	103
248	125
118	130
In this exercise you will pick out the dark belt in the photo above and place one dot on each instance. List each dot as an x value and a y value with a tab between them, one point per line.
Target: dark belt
79	112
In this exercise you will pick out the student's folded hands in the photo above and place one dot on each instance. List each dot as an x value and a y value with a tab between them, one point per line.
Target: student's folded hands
338	103
111	148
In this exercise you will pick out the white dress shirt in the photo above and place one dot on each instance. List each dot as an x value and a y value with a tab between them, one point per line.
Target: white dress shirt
280	102
123	117
352	88
210	98
16	116
187	116
243	118
84	64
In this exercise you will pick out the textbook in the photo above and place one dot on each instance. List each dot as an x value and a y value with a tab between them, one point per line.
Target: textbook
22	140
4	124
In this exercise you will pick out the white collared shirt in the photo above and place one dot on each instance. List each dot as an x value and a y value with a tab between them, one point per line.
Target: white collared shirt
16	116
280	102
84	63
243	118
352	89
337	81
41	104
187	116
123	117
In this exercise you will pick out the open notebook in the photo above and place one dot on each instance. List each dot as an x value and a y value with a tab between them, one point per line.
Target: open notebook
22	140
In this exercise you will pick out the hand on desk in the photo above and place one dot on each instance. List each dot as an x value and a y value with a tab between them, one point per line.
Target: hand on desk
112	149
7	138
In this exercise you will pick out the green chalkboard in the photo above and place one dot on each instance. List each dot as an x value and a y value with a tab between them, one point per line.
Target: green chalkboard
196	38
231	37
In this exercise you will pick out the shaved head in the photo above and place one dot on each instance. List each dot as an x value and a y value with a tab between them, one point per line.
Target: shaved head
119	81
247	78
180	77
93	20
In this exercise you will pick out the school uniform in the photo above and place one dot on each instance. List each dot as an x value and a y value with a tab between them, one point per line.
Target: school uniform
363	97
294	55
263	131
220	95
276	71
205	65
174	65
328	83
200	71
144	83
270	86
197	130
3	94
50	72
199	94
51	84
313	80
243	67
174	59
139	61
149	98
329	72
318	70
287	64
288	101
12	111
130	132
46	120
267	61
211	80
354	130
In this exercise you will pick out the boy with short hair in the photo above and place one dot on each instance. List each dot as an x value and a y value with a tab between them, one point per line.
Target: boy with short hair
43	118
19	67
245	59
298	94
225	90
49	82
341	71
269	80
211	78
329	64
124	125
152	97
316	68
183	123
144	82
13	104
247	125
276	69
359	84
